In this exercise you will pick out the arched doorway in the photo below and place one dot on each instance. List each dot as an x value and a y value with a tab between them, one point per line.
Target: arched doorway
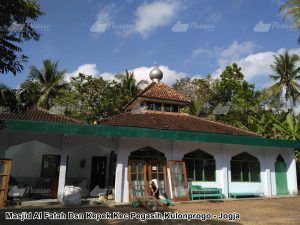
144	165
281	177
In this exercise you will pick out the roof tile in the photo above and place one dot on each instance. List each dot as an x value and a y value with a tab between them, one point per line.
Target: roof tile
161	91
38	114
172	121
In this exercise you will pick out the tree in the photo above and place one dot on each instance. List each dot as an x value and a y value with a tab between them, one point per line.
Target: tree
91	98
286	75
233	99
269	101
32	88
51	82
229	84
198	90
14	100
291	9
130	86
15	28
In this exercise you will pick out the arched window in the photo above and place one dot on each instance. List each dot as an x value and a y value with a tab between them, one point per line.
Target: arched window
200	166
146	153
245	168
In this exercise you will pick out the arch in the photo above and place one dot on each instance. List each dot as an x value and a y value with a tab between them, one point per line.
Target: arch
147	152
245	168
144	165
200	166
200	154
281	176
244	156
280	159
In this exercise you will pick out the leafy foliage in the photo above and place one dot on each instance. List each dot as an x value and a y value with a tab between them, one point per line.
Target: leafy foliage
15	100
130	87
286	75
49	80
91	99
199	91
291	9
15	28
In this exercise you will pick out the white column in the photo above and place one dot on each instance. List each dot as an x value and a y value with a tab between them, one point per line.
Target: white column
171	157
119	174
62	176
62	171
292	174
267	174
224	176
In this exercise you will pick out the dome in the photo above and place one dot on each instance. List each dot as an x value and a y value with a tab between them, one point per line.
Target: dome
156	74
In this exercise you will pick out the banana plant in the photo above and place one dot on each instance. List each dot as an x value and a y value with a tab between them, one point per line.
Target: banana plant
289	129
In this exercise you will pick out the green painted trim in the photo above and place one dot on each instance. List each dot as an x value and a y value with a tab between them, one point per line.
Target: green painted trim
119	131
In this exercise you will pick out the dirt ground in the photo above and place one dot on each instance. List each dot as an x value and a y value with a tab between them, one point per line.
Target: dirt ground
257	211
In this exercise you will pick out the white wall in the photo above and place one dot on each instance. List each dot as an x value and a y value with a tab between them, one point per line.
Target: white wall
27	149
175	150
242	187
289	157
27	158
26	152
85	152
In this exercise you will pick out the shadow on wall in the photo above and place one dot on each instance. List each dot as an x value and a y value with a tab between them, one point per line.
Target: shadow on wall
298	175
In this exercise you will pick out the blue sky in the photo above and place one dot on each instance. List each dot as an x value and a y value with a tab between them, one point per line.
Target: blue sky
186	38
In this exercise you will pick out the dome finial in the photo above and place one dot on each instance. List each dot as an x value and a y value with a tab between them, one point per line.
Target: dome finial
156	74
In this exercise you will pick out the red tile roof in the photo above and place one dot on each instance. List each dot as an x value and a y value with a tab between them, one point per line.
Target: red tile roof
38	114
172	121
162	92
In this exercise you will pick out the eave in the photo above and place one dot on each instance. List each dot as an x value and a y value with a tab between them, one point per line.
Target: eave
122	131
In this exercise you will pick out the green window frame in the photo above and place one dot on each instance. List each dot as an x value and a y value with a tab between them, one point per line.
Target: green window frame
245	168
200	166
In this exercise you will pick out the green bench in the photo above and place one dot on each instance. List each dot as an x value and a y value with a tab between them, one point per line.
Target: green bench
197	191
246	194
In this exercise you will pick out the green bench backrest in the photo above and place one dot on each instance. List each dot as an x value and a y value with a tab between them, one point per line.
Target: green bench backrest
196	187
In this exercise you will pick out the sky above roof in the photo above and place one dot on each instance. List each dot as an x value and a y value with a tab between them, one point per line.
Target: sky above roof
186	38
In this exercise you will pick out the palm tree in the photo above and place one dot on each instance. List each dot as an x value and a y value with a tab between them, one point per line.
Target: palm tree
51	81
129	84
292	9
286	75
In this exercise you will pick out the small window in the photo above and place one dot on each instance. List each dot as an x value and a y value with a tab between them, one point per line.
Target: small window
170	108
245	168
155	106
200	166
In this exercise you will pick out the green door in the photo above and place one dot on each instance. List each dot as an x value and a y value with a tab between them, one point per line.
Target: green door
281	178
